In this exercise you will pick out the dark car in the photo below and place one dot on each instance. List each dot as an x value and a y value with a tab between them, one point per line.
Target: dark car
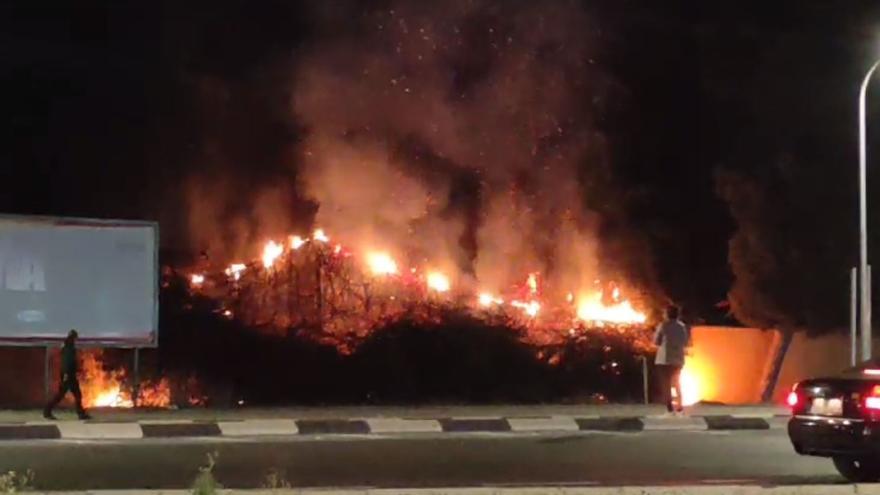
839	417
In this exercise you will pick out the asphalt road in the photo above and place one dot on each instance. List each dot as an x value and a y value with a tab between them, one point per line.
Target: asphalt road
449	460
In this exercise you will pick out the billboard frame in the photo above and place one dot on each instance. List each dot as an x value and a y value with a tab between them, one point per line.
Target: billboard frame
135	344
118	343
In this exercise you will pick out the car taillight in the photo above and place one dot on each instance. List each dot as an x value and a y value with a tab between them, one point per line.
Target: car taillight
871	371
794	399
872	400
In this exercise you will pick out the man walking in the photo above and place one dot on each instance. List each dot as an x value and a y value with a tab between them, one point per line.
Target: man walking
671	339
69	381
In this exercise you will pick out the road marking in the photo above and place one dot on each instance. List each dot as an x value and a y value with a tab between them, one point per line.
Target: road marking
543	424
258	427
99	431
395	425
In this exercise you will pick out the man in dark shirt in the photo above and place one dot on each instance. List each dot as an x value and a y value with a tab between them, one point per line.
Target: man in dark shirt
69	381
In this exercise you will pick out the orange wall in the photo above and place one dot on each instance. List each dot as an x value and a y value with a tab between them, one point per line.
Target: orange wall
730	365
814	356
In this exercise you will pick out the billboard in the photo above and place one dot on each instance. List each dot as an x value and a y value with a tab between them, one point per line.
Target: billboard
97	276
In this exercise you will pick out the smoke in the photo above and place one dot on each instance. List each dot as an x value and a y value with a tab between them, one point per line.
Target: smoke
455	133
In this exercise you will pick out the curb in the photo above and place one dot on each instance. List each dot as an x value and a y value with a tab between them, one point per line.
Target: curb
96	430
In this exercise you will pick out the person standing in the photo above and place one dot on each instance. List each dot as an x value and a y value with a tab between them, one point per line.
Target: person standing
69	380
671	338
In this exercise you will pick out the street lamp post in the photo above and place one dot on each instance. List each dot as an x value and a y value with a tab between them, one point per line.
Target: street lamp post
864	292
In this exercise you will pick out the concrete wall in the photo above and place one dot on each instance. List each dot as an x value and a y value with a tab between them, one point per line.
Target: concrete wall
731	365
809	357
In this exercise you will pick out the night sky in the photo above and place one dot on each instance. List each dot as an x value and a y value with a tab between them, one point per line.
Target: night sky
728	174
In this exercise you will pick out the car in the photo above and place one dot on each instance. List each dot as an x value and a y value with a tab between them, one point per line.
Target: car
839	417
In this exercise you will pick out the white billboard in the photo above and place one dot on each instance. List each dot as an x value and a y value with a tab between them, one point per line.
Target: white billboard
97	276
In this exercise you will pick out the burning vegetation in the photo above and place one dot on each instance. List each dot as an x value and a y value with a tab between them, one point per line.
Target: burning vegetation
342	294
451	153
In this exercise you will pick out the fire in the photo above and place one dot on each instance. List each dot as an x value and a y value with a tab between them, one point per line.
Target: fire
533	283
381	263
347	302
296	242
486	299
320	236
235	270
197	279
438	282
591	309
102	388
530	308
689	381
271	252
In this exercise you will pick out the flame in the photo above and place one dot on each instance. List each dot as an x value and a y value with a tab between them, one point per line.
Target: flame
486	299
271	252
320	236
591	309
690	387
438	282
533	283
381	263
530	308
695	380
296	242
197	279
102	388
235	270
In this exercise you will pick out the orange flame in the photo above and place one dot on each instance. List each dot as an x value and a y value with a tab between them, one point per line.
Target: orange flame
438	282
591	309
235	270
320	236
102	388
197	279
486	299
381	263
271	252
530	308
296	242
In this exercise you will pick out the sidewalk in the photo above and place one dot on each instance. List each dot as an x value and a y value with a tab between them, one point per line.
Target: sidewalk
413	412
206	423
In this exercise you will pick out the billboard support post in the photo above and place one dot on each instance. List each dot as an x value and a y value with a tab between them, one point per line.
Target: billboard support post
137	378
46	363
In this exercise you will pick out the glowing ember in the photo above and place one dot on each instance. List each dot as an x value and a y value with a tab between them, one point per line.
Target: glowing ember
530	308
438	282
337	249
235	270
381	263
271	252
591	309
319	235
197	279
296	242
485	299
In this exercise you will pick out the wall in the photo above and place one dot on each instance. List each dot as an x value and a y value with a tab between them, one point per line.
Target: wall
728	364
809	357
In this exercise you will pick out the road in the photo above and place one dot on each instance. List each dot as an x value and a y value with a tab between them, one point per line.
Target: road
450	460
